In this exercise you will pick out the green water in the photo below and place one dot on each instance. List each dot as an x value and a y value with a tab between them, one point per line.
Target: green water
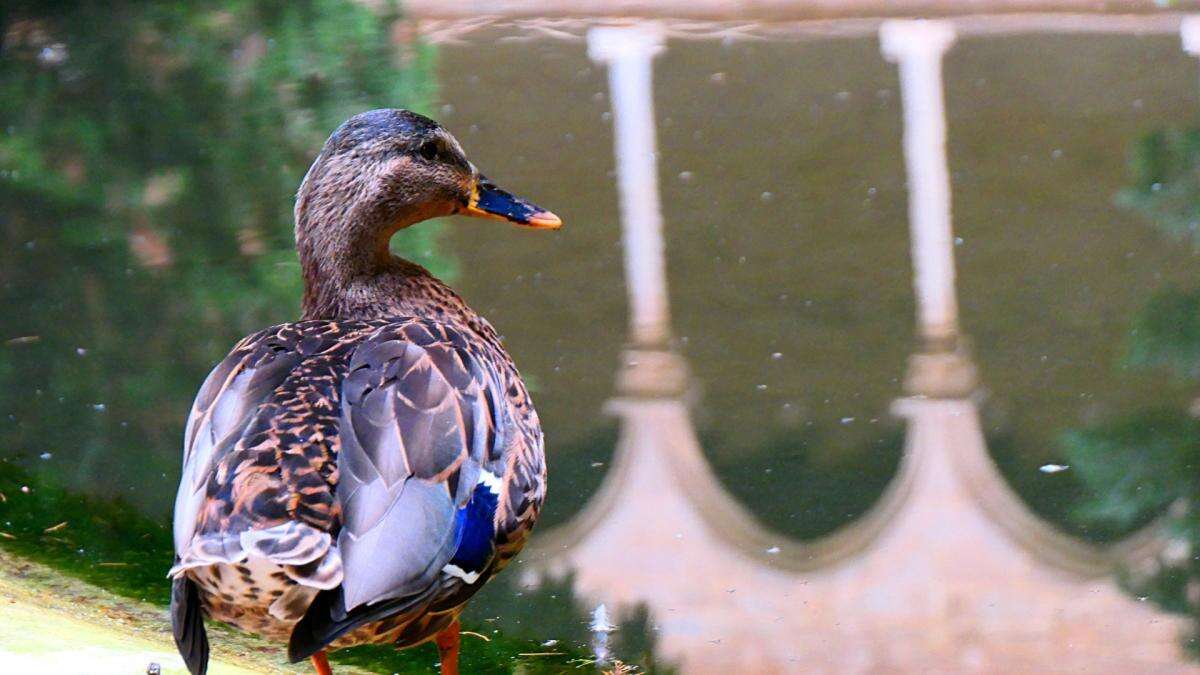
147	168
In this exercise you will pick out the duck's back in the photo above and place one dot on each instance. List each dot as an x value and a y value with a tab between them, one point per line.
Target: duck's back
366	476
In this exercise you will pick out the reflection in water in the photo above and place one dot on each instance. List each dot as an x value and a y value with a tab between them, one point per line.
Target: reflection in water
1143	463
949	570
132	263
149	156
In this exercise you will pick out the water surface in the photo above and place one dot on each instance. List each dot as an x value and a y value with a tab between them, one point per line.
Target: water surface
133	258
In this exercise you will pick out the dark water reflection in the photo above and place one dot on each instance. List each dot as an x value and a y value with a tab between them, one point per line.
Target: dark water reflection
787	246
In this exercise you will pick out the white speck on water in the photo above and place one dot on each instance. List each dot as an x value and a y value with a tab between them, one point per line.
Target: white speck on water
1053	468
958	241
606	115
761	387
80	351
597	465
717	78
549	643
25	489
774	550
1155	187
847	420
45	455
1056	153
99	407
777	355
766	196
53	55
871	191
842	96
686	176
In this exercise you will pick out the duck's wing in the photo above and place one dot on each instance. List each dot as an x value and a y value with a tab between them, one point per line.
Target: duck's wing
260	449
258	456
421	470
230	395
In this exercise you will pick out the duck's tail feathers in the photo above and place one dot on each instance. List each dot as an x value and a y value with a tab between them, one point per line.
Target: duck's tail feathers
187	624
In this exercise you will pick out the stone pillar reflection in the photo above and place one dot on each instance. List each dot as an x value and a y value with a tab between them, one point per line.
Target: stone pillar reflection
941	367
1189	33
649	368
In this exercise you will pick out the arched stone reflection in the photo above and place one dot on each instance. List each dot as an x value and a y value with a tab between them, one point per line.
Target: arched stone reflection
948	571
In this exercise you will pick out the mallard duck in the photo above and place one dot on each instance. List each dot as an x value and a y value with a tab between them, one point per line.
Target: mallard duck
356	476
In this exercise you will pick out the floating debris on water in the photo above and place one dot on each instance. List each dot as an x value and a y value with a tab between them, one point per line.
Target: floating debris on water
45	455
774	550
1053	468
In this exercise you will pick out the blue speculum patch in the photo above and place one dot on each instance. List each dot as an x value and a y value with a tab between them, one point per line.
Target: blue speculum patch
475	531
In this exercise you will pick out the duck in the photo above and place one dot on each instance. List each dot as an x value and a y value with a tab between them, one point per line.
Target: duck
356	476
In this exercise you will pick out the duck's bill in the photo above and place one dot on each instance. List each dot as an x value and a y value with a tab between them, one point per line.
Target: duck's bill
489	201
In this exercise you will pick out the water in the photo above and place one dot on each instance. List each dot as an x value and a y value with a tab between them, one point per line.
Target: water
770	506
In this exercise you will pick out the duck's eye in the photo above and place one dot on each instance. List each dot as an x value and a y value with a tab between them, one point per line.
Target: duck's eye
429	150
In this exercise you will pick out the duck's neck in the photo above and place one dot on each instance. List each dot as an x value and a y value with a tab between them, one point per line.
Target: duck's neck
358	278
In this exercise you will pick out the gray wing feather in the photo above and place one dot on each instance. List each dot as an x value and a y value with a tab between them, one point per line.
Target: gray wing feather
417	426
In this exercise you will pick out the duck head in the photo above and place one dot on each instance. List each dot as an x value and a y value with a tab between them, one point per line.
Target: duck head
384	170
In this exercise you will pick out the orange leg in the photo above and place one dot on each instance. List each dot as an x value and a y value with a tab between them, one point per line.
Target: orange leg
447	643
321	663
